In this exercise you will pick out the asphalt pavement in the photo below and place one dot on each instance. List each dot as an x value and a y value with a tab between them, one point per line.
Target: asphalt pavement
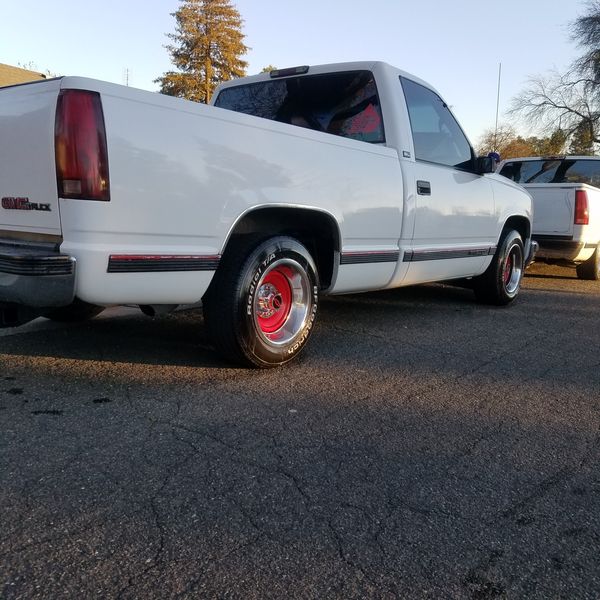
422	446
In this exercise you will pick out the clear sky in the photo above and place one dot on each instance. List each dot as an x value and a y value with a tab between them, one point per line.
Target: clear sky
455	46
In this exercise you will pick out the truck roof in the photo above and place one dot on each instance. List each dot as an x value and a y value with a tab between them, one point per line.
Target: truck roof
553	157
325	68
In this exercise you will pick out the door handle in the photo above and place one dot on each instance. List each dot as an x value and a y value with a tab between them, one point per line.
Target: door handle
423	188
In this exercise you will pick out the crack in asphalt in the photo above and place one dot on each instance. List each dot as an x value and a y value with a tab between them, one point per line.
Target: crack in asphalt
552	481
343	556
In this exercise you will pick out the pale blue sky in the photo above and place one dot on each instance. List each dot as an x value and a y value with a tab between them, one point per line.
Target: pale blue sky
456	46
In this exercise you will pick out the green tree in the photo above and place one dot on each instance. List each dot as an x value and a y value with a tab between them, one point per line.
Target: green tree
208	45
269	69
582	141
550	146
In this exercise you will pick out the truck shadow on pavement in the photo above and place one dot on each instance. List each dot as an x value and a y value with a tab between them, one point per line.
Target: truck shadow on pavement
548	276
436	327
174	340
179	339
540	270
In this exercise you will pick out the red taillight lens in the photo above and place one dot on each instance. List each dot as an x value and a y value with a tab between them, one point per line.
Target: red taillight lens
582	215
80	146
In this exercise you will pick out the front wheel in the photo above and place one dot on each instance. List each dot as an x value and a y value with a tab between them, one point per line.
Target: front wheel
261	306
501	281
590	269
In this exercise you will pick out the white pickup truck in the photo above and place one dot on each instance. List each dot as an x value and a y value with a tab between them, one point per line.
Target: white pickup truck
296	183
566	201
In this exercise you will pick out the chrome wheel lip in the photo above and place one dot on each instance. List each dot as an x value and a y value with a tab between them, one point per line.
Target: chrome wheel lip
299	309
514	262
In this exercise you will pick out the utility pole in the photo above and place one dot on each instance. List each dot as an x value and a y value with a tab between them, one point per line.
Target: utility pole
497	107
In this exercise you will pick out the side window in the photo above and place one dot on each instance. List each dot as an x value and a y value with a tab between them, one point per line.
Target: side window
344	104
437	136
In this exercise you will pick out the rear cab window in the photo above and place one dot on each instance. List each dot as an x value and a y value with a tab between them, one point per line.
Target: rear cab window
344	104
553	170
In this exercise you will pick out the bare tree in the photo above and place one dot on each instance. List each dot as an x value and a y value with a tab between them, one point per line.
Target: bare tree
570	101
559	102
586	31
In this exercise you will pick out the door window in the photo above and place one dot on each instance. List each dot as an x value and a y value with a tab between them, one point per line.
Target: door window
437	136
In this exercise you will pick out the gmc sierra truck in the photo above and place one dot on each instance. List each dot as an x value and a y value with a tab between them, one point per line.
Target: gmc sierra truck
566	200
294	184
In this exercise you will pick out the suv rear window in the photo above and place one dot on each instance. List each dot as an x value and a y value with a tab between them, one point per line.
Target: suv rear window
345	104
553	170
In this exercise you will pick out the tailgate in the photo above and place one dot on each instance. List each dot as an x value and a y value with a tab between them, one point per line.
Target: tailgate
28	193
553	208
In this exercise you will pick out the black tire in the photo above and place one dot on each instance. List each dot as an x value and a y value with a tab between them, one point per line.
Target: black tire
501	281
75	312
261	305
590	269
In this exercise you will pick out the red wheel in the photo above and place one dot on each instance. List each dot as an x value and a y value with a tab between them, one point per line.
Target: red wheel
262	304
513	268
274	300
501	282
507	270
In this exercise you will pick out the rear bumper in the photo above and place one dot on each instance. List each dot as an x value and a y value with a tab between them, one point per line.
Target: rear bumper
556	248
35	275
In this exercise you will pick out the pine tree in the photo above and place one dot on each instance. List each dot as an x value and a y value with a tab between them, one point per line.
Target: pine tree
582	142
208	44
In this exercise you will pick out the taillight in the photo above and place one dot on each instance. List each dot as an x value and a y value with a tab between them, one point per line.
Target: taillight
80	146
582	215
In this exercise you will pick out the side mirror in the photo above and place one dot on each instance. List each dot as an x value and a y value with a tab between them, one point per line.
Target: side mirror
484	164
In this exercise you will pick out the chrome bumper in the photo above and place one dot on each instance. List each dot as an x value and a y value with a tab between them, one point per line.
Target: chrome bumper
533	248
35	275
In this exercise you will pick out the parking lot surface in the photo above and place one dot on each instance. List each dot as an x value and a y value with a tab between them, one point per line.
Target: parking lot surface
422	446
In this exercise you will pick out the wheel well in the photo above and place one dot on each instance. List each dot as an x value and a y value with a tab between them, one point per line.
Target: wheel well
316	230
521	224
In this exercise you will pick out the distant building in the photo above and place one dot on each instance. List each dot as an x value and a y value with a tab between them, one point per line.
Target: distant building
11	75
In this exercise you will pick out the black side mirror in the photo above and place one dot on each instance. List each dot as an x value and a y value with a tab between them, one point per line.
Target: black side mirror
484	164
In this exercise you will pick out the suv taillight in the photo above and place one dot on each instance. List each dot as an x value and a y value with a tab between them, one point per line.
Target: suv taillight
582	215
80	146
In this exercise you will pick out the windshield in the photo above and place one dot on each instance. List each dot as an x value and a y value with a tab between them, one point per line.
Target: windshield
556	170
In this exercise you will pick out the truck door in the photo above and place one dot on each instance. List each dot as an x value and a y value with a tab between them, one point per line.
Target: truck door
455	225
